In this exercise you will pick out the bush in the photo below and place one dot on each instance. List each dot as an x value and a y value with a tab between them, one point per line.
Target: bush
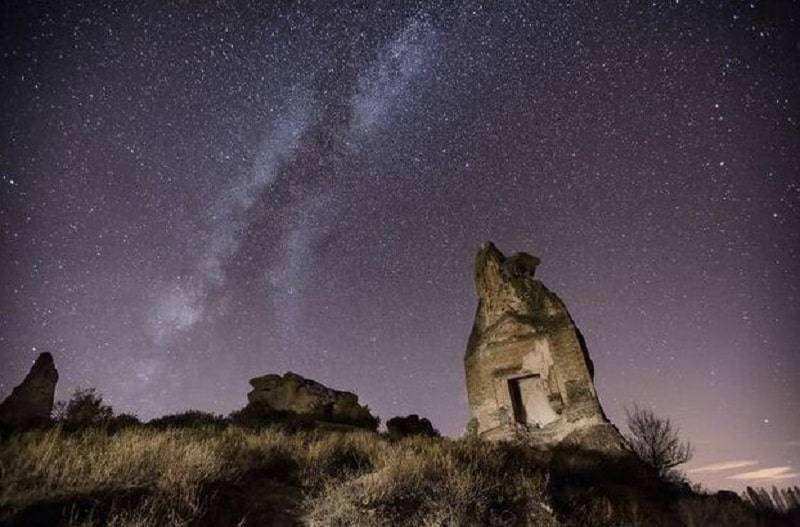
367	421
722	508
409	426
656	441
775	502
188	419
261	414
123	421
84	410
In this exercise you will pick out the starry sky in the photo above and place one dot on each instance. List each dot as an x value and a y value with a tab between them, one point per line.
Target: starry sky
193	194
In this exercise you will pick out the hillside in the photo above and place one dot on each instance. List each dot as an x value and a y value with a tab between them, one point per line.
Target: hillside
229	475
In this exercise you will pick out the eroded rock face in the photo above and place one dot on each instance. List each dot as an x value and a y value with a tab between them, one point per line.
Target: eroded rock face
528	370
294	393
31	403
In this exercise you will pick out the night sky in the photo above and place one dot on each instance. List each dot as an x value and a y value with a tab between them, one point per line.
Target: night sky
193	196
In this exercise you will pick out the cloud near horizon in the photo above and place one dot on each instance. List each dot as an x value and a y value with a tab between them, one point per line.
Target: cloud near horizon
724	465
771	473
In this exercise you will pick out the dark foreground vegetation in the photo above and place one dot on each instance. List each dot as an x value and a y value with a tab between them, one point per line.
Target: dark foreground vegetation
229	475
199	469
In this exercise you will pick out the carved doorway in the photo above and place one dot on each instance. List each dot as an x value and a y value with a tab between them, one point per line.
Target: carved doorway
530	400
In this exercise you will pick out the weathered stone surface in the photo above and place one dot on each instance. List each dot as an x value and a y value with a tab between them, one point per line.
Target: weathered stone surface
31	403
527	367
294	393
411	425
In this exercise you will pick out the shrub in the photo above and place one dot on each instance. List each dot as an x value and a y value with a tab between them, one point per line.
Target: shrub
656	441
122	422
410	425
778	501
261	414
188	419
722	508
84	410
363	420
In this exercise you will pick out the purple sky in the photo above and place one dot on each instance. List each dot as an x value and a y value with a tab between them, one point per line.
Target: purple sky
190	197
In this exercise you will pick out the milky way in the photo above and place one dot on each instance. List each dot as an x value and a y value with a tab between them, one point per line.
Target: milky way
193	196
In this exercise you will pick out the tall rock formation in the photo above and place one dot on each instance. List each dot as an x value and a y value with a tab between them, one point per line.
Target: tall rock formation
528	371
31	403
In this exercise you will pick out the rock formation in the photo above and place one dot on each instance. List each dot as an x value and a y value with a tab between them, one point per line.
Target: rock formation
411	425
31	403
528	370
295	394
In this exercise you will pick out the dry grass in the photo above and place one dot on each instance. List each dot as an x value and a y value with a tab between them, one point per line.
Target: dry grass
239	476
433	482
46	465
345	478
170	468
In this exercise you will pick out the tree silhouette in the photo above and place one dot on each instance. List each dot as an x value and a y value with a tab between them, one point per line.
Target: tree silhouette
85	409
656	441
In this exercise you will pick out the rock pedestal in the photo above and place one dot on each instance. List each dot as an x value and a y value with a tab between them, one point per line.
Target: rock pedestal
528	371
31	403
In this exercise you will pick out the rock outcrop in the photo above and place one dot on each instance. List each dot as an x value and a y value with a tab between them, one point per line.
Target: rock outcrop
411	425
294	394
31	403
528	371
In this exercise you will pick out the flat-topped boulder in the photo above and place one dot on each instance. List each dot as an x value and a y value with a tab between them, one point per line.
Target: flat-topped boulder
31	403
295	394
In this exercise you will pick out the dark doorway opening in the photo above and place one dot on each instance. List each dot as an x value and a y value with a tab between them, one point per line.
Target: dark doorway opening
517	402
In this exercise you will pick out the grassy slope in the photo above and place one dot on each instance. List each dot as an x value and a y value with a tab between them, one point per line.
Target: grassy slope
238	476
